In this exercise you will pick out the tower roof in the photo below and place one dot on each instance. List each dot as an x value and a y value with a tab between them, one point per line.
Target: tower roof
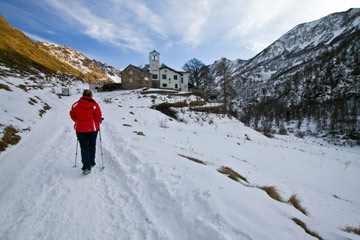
154	52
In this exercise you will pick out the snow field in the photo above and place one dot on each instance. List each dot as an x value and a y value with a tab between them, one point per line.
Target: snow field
148	191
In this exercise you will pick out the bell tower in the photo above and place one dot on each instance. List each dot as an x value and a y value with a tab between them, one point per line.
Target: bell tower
154	62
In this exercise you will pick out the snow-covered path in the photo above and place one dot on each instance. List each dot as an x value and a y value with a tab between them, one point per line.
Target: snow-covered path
44	197
148	191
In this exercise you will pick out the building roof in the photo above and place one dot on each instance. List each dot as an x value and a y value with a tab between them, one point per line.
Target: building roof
154	52
164	66
142	70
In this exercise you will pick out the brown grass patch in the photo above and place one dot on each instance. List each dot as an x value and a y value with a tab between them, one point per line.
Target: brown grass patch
272	192
352	230
10	137
193	159
5	87
179	104
303	226
197	103
232	174
215	109
165	108
32	101
46	107
23	87
296	203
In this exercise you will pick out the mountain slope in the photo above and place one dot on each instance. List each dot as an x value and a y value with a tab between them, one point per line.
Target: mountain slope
306	82
24	56
20	52
93	70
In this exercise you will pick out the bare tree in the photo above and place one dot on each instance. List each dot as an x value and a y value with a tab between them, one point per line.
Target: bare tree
224	73
194	67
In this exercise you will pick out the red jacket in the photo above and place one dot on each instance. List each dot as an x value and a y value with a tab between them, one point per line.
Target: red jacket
86	114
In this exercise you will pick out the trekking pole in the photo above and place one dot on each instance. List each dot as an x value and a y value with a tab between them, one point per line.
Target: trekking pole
102	158
77	143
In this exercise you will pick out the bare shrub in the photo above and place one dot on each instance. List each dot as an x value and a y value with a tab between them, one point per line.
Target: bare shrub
300	134
267	131
296	203
352	230
193	159
282	130
231	174
272	192
303	226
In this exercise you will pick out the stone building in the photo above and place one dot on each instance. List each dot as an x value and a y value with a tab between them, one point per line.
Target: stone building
133	78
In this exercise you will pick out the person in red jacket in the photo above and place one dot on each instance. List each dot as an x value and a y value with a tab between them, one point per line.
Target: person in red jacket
87	116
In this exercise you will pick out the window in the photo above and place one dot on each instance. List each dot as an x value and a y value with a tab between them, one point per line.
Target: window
176	86
154	57
130	72
164	85
164	76
154	76
130	80
182	80
146	78
175	77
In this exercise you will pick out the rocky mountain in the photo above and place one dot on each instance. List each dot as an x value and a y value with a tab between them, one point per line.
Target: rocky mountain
306	82
92	70
19	55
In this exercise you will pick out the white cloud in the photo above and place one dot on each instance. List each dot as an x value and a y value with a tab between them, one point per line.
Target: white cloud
139	24
37	38
106	29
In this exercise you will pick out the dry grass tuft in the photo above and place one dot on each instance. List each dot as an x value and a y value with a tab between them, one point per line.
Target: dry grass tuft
352	230
5	87
296	203
32	101
272	192
10	137
303	226
193	159
232	174
45	108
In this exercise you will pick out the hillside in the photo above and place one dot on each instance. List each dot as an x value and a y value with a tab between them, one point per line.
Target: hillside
306	82
92	70
20	55
203	176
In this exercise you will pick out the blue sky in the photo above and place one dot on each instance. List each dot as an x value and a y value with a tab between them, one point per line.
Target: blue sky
123	32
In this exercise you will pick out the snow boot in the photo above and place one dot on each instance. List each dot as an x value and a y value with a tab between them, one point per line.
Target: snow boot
86	171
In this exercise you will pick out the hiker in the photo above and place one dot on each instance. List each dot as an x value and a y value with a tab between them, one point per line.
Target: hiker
86	114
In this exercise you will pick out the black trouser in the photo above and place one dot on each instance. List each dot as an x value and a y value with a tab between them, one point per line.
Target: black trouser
87	142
